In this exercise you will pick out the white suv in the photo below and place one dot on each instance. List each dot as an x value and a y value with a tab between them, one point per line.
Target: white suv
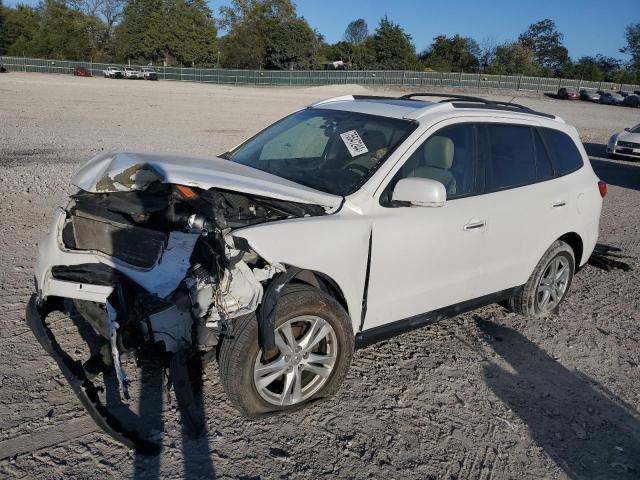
350	221
133	73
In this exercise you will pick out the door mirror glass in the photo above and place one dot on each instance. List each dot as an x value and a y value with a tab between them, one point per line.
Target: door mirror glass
419	192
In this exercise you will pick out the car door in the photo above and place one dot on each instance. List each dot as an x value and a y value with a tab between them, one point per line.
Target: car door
425	258
524	206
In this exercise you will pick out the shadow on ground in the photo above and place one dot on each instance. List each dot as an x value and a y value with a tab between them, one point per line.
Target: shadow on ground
586	430
622	173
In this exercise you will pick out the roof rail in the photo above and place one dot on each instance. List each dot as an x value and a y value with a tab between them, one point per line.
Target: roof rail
470	102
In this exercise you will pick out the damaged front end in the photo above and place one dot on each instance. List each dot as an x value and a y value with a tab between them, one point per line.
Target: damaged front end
154	268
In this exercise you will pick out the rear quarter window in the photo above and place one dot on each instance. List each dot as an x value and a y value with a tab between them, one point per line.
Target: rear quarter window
565	156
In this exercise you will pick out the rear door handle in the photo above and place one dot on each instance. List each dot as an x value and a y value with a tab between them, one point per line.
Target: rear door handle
474	225
558	204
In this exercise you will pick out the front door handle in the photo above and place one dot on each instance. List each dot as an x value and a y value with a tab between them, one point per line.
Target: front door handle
558	204
474	225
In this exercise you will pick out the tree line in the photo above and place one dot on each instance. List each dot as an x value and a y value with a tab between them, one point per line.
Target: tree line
269	34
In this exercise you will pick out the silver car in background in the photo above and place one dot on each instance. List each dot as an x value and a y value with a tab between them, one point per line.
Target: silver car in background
149	73
132	73
610	98
625	144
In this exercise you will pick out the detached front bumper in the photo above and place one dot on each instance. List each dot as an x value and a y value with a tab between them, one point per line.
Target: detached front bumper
36	314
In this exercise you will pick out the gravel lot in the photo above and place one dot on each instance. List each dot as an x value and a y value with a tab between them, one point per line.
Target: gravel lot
485	395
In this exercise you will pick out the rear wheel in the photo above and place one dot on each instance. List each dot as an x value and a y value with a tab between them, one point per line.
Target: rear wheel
314	347
548	284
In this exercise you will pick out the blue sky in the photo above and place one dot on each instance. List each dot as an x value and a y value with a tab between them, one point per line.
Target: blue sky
589	26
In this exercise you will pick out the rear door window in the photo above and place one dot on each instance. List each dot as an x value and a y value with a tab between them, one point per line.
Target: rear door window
511	157
564	154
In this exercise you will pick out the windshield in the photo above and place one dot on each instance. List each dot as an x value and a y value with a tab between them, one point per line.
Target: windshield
635	129
329	150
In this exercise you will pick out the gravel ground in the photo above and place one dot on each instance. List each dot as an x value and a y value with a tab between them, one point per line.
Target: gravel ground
485	395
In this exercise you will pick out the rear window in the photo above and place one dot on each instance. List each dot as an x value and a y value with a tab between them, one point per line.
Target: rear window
564	154
511	157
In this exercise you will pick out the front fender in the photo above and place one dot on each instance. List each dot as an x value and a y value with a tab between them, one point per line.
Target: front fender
335	245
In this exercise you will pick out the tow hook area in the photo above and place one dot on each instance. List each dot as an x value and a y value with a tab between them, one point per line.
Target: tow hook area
73	371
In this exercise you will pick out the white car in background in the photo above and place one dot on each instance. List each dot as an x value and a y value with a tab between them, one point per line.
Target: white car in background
625	144
132	73
344	224
149	73
112	72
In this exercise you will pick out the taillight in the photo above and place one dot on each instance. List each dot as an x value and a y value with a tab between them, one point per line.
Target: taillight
602	186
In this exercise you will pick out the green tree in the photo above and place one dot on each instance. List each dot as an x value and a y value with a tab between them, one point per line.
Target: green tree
142	34
356	32
259	37
454	54
62	32
632	48
392	47
609	66
291	45
191	36
4	44
358	57
587	68
166	30
20	28
514	59
546	43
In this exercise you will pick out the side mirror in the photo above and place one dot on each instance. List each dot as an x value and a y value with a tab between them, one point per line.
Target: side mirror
627	129
420	192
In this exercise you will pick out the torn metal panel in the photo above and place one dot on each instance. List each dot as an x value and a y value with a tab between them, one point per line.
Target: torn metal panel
105	171
84	389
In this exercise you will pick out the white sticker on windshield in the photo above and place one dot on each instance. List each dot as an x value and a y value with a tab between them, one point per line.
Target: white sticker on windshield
354	143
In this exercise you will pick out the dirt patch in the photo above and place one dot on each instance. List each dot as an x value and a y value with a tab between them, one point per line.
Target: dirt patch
483	395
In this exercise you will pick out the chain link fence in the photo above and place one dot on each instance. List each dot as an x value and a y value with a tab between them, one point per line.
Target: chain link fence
323	77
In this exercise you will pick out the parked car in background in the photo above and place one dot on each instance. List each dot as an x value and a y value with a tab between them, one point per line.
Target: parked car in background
82	72
589	95
610	98
112	72
568	94
623	93
625	144
132	73
149	73
632	100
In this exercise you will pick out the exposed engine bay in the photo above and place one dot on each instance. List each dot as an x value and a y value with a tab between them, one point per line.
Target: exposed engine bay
176	279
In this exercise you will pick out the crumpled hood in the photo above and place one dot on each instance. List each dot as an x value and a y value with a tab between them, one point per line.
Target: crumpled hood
122	171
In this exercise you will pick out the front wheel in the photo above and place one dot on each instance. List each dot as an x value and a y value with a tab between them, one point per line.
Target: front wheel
314	347
548	284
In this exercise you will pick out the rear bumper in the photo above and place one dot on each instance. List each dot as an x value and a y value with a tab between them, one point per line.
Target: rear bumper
36	314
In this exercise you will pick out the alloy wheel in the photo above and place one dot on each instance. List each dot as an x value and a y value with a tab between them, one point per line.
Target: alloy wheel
307	352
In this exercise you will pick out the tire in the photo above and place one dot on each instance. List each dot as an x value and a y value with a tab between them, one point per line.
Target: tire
240	355
530	300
